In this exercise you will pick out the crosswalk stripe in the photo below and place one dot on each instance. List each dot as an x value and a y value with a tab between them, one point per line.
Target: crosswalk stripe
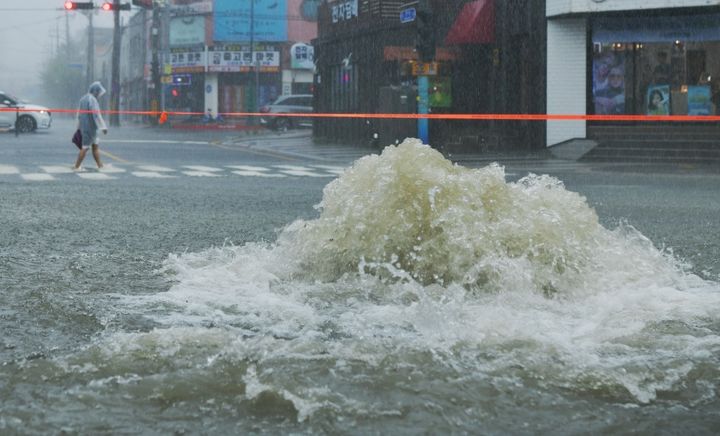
156	169
202	168
301	173
57	169
95	176
200	174
257	174
247	168
151	175
37	177
7	169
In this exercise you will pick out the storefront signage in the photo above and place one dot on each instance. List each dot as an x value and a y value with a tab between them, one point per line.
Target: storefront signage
302	56
225	59
424	68
234	20
187	60
408	15
657	28
188	30
344	10
198	8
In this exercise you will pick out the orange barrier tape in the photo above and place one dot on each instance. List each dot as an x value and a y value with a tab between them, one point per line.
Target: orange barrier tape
509	117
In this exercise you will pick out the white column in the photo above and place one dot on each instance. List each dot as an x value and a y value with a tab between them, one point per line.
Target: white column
566	77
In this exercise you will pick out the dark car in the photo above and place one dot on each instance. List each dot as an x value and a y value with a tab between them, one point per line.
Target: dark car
288	104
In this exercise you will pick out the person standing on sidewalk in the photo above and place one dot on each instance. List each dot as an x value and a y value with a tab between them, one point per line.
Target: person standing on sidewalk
89	120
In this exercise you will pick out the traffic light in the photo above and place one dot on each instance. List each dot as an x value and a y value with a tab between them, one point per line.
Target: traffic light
71	6
110	6
425	44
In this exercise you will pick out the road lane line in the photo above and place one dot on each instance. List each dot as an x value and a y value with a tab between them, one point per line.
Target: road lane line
112	156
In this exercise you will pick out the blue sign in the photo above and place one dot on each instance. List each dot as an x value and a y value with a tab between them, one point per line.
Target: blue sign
408	15
233	21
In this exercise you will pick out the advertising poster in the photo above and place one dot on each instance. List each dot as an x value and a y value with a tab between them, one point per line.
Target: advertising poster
609	83
657	100
440	92
699	100
233	20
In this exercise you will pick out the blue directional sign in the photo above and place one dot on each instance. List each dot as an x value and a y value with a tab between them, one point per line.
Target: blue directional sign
408	15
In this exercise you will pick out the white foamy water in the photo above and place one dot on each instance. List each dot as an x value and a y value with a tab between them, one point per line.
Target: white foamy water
422	285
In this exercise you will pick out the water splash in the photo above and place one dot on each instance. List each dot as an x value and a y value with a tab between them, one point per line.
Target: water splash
410	214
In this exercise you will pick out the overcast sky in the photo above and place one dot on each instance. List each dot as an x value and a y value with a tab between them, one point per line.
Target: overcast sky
29	32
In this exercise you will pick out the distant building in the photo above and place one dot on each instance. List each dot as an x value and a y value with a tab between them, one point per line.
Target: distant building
225	55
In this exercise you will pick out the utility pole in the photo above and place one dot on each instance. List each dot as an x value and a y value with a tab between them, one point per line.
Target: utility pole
115	73
157	86
90	51
253	64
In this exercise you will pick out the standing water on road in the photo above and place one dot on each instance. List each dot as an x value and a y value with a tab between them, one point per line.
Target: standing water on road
425	295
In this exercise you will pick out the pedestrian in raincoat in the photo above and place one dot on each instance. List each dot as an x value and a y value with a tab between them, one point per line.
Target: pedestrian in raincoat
89	120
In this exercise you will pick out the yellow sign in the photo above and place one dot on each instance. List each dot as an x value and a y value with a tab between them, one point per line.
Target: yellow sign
167	68
424	68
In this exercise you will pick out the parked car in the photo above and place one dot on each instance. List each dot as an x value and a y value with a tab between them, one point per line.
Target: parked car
288	104
30	118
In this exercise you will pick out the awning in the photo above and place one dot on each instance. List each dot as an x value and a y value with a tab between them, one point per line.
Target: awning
475	24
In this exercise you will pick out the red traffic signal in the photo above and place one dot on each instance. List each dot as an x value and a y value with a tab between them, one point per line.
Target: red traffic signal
71	6
110	6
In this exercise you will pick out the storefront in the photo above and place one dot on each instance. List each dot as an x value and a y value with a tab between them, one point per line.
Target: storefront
612	57
656	65
238	76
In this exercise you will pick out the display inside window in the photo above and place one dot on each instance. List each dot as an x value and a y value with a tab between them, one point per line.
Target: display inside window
656	65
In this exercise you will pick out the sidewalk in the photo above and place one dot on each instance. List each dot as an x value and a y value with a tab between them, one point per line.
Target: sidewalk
299	144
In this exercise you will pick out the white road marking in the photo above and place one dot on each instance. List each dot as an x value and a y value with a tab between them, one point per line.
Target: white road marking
156	169
331	168
257	174
306	173
247	168
202	168
57	169
95	176
112	169
150	175
7	169
200	174
292	167
37	177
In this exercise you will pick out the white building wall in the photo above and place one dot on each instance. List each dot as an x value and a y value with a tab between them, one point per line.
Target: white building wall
566	7
566	77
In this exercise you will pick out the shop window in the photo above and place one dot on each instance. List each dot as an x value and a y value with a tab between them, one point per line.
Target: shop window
656	66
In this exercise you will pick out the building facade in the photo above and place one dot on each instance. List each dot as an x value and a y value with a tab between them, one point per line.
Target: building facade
630	57
226	56
490	58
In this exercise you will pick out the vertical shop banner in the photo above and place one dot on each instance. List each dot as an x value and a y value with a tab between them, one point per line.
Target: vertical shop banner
658	100
233	20
302	56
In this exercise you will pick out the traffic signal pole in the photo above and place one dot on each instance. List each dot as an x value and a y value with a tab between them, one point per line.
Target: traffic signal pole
115	73
425	48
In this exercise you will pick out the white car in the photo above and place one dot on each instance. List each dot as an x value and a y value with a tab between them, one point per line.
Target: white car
30	117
